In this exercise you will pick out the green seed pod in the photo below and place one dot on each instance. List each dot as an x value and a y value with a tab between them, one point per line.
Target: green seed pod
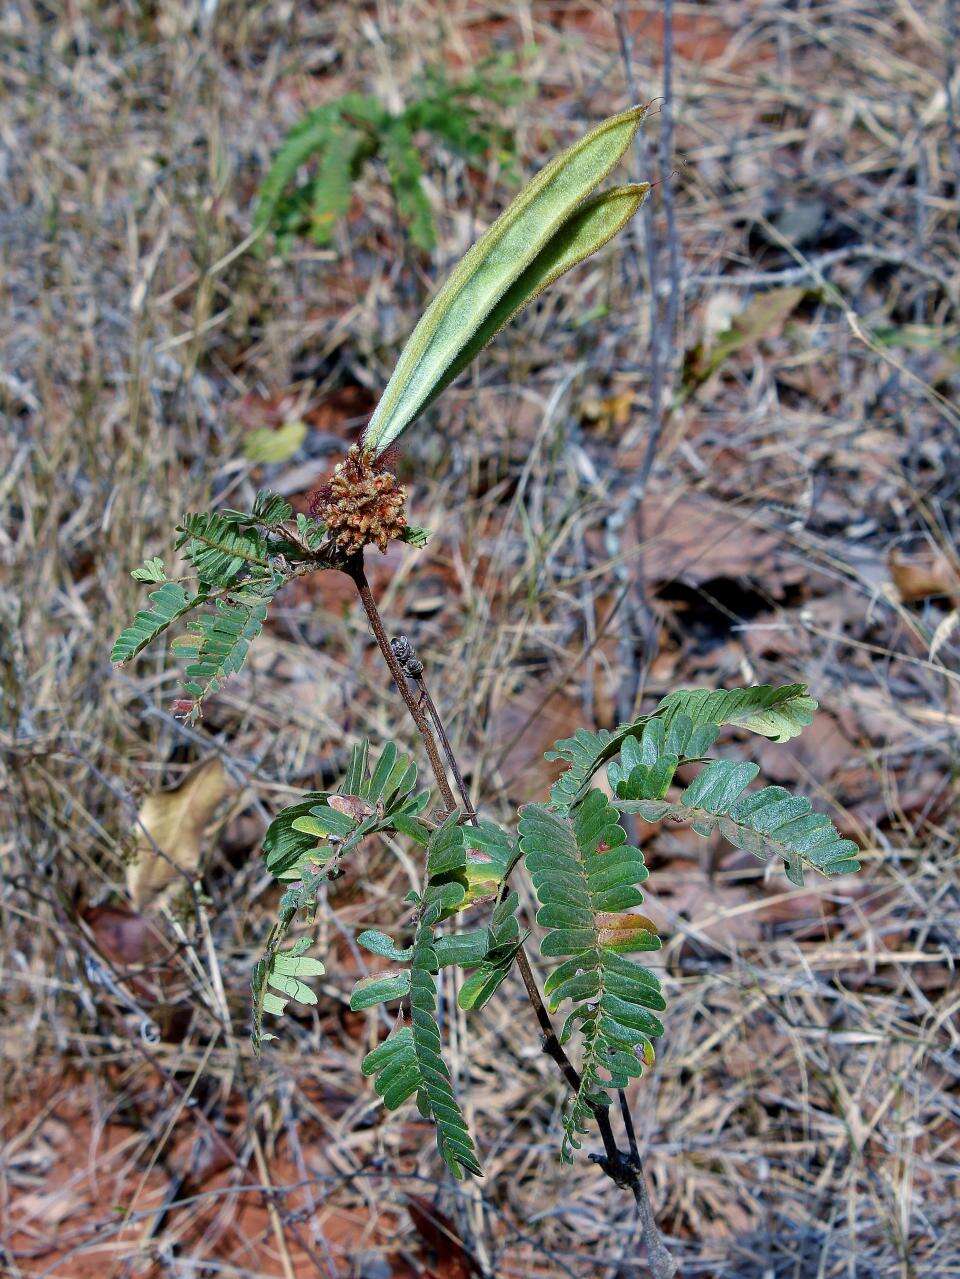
491	284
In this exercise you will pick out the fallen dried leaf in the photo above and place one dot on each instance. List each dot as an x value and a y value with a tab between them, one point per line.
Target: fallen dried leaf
691	538
918	579
943	632
170	832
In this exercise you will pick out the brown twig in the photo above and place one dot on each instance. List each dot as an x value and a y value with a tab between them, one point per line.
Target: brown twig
354	569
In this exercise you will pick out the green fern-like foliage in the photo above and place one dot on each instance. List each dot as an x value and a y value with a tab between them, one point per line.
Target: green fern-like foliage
500	944
767	822
337	139
778	713
373	798
405	169
219	551
343	147
307	842
586	878
218	647
273	969
309	205
241	560
575	851
278	978
410	1061
167	605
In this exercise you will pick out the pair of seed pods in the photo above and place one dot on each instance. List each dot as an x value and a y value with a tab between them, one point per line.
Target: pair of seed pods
549	228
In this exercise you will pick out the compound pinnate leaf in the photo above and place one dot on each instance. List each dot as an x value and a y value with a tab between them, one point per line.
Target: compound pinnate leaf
586	876
283	972
766	822
410	1060
779	713
167	604
691	719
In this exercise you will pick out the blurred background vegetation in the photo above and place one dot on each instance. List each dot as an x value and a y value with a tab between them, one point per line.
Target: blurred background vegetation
724	451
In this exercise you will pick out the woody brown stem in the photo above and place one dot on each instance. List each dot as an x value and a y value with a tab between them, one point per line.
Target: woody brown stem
625	1170
551	1044
355	570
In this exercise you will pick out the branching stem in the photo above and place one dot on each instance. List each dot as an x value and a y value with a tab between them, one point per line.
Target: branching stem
625	1170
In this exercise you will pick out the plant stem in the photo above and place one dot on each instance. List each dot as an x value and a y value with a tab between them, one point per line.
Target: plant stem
624	1169
447	750
355	570
628	1126
550	1043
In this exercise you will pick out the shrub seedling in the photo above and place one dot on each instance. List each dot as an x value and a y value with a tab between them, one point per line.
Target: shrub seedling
336	140
573	846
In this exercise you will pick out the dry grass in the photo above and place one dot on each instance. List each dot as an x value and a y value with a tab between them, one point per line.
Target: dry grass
803	1117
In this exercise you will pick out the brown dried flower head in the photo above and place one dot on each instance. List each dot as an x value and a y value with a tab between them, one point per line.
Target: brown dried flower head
362	503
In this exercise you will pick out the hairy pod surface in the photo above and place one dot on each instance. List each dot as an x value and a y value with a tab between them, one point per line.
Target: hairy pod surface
487	271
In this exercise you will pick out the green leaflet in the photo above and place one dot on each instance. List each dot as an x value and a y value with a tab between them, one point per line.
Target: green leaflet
167	604
766	822
379	943
372	798
489	951
583	233
242	559
779	713
300	143
585	752
491	856
407	1062
269	509
284	973
338	138
380	988
586	877
646	763
151	571
490	268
